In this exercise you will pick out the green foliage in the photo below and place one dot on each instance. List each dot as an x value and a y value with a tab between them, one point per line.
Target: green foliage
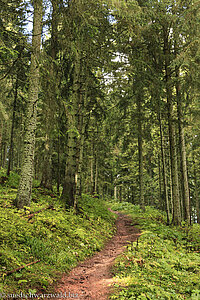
12	180
162	264
56	237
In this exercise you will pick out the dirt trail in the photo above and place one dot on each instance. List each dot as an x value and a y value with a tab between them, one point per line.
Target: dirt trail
91	279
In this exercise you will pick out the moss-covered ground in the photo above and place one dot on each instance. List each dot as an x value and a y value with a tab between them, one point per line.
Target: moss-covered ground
56	237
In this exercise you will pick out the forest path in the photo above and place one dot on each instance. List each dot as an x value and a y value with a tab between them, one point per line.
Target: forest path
91	279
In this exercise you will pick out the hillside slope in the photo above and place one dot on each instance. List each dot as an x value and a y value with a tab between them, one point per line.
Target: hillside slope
163	264
53	239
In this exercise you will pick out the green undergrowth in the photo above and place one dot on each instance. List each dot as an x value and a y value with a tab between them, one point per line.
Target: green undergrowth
164	263
56	237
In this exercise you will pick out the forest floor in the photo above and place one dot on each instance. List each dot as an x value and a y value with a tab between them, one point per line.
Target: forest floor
93	278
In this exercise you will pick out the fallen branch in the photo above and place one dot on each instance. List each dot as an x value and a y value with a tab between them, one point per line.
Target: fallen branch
20	268
37	212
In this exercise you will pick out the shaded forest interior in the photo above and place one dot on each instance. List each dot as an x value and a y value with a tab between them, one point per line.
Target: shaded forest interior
103	98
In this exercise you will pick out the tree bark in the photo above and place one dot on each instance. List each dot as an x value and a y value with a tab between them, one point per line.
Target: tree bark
96	176
172	140
170	185
185	186
68	193
4	153
164	168
162	204
140	152
49	101
69	186
120	193
3	135
196	194
25	185
10	156
115	192
80	160
46	181
58	161
92	168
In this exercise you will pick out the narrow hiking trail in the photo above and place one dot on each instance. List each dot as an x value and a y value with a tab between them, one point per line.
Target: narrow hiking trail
91	279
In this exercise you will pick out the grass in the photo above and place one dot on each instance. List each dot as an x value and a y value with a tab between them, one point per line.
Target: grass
56	237
163	264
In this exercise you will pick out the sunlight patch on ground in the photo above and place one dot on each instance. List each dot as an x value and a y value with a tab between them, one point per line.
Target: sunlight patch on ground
118	281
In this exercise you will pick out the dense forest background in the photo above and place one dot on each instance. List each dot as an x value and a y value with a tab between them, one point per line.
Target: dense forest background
103	97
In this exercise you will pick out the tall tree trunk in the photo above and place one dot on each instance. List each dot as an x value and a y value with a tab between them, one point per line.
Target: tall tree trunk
132	194
78	175
19	146
172	139
10	156
25	185
185	186
92	164
49	101
96	175
69	186
196	193
92	170
120	193
4	153
46	181
140	151
164	168
68	192
162	204
58	167
3	119
180	175
115	192
82	123
171	193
